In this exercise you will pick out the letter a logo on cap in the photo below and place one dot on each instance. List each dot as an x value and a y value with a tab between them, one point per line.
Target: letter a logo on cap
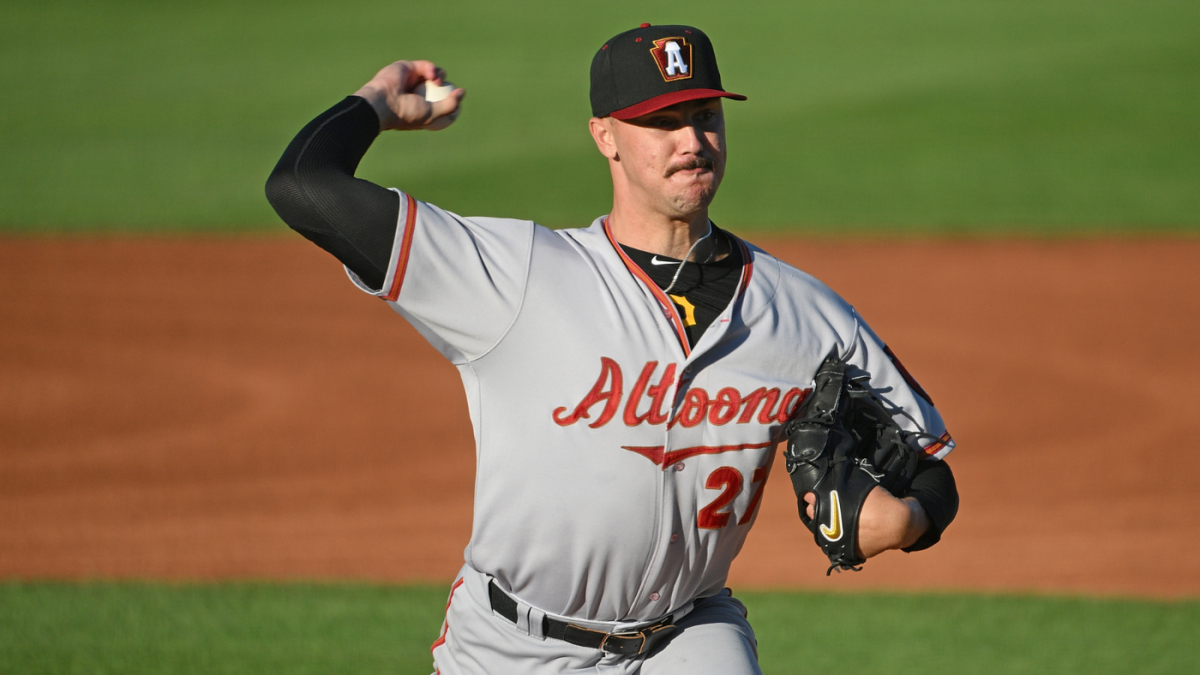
674	58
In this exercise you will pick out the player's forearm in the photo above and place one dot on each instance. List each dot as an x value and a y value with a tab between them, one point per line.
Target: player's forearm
313	189
888	523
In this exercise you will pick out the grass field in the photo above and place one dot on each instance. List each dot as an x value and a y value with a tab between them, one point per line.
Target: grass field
932	115
128	628
991	117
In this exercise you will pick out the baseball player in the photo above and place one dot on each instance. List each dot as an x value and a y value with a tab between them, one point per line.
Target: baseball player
627	381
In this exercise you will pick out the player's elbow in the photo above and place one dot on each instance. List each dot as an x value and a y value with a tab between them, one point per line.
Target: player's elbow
283	191
292	200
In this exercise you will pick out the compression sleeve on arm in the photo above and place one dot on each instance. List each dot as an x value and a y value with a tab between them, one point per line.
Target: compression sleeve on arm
314	191
934	487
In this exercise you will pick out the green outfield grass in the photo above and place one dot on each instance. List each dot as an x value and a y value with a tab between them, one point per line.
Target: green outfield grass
929	115
136	628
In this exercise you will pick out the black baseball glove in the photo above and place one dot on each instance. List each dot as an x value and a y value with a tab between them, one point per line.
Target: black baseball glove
841	445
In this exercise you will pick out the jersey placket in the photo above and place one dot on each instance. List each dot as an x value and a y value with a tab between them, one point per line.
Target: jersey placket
673	549
665	516
663	510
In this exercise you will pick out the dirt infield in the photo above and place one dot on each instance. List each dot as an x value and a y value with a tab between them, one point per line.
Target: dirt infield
234	408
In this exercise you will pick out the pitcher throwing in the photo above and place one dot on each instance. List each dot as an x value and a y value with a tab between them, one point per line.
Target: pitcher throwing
628	382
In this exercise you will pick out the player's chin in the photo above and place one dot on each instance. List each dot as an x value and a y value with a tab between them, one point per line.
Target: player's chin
688	202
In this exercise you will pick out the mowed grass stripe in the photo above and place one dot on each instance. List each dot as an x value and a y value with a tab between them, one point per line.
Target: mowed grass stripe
143	628
973	634
926	116
138	628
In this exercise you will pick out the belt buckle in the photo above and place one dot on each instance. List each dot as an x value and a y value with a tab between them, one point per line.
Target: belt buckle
623	636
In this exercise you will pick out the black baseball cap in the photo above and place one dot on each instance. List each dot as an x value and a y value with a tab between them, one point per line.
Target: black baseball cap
652	67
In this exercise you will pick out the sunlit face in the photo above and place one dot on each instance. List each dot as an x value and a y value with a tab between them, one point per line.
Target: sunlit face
673	159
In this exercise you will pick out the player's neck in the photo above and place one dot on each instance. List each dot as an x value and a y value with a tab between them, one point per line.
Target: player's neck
661	235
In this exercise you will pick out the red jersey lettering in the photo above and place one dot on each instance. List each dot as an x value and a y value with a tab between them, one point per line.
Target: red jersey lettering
607	389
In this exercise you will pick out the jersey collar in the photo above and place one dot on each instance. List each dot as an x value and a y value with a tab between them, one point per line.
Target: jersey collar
669	307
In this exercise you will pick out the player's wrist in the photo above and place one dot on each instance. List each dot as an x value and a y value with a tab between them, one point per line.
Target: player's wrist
377	99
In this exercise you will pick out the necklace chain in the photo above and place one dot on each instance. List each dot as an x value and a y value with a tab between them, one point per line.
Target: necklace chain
689	254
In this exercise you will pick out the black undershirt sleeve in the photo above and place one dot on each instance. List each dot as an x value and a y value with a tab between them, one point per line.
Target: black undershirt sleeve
314	191
934	488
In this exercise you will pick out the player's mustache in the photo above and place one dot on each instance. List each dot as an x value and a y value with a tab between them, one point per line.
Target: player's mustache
694	163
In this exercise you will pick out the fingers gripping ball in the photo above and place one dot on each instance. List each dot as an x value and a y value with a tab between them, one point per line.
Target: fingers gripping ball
843	444
434	93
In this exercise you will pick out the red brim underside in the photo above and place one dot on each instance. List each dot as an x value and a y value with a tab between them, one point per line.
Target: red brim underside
660	102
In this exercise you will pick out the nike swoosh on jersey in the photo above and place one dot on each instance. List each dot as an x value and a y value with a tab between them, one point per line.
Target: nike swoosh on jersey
834	531
655	261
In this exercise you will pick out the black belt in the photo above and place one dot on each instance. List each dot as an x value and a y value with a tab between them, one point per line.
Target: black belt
625	644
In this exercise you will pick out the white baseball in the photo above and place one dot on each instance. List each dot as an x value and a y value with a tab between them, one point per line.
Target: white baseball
434	93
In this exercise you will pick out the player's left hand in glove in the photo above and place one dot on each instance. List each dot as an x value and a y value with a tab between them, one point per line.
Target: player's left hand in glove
842	445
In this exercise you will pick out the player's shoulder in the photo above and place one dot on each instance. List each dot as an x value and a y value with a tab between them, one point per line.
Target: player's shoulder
783	284
487	234
540	235
593	234
564	244
428	211
590	243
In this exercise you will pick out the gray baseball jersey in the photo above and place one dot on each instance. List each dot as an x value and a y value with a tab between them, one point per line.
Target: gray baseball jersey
619	470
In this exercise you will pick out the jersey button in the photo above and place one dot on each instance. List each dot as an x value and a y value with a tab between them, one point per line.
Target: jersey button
654	595
679	466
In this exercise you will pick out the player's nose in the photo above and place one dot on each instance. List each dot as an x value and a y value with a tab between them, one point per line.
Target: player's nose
689	139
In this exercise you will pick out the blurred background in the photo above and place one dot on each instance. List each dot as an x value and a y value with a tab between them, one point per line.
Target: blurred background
933	116
216	456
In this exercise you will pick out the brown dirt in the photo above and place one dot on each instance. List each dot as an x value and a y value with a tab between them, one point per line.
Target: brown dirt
196	409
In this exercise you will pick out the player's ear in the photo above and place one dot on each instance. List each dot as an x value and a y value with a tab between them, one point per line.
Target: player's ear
602	133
